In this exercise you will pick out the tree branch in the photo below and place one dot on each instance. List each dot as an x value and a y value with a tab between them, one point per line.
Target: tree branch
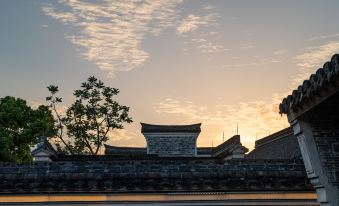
61	128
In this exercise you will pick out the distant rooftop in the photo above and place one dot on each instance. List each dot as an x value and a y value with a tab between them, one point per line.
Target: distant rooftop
280	145
193	128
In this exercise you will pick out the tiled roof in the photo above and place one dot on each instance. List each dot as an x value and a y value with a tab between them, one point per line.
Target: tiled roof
45	145
157	175
227	147
149	128
280	145
325	78
110	150
204	150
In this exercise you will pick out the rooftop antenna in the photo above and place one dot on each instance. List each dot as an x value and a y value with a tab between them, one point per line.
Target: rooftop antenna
223	136
237	129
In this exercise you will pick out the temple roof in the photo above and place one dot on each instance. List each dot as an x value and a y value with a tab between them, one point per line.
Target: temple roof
280	145
324	81
151	128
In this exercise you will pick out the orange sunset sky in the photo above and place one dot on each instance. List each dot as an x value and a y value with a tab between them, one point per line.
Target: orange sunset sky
221	63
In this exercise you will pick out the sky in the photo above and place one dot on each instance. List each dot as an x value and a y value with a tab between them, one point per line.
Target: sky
221	63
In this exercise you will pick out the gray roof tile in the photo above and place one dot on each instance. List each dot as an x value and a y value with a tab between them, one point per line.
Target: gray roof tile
280	145
325	76
149	128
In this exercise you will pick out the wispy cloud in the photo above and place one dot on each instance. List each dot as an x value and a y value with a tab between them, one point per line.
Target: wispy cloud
200	41
257	118
208	7
210	47
247	46
313	58
203	45
323	37
212	33
118	135
256	63
110	32
193	22
65	17
278	52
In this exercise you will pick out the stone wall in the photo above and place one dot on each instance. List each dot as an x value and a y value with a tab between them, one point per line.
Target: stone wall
175	144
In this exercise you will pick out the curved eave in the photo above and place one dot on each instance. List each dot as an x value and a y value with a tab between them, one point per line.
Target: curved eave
320	86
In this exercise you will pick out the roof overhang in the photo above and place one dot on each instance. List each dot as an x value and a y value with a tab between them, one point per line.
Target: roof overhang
152	128
320	86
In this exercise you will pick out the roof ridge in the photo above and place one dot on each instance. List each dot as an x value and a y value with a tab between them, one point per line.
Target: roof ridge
153	128
169	125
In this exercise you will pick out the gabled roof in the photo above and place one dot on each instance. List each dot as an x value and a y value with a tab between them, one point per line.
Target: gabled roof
151	128
229	146
280	145
44	146
325	82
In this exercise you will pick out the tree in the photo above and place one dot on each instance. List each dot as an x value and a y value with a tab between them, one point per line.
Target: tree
20	127
90	118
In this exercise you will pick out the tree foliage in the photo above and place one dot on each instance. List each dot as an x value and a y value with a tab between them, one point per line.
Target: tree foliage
20	128
87	122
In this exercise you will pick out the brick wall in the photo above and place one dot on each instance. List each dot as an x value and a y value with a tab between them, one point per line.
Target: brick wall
171	144
324	120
